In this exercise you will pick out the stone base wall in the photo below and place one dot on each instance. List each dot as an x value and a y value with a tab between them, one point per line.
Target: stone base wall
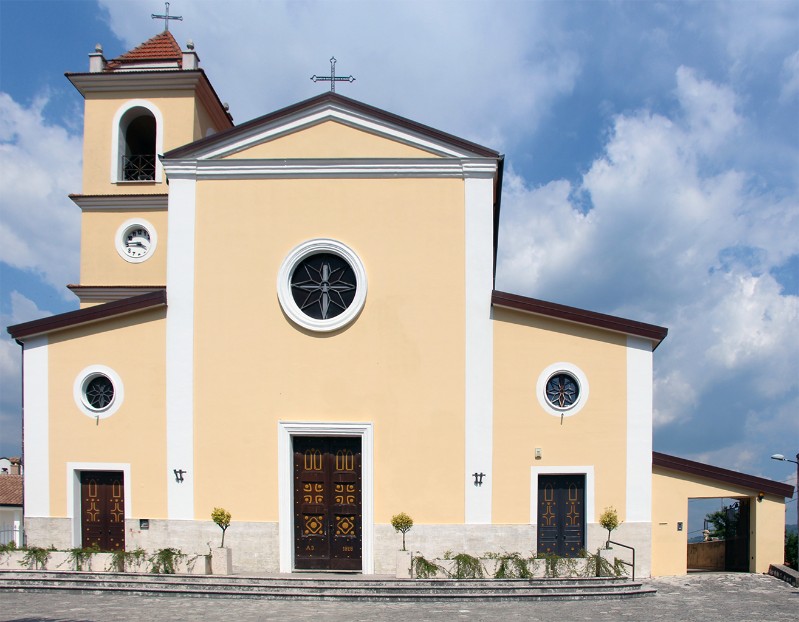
49	532
255	545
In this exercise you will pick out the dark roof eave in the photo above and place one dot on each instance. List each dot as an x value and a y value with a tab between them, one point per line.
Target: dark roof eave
580	316
78	78
97	313
760	484
187	151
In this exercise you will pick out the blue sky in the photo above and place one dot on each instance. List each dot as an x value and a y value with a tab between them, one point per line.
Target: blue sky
652	154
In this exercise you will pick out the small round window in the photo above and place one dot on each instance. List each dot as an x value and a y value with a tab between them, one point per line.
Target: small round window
562	391
321	285
98	391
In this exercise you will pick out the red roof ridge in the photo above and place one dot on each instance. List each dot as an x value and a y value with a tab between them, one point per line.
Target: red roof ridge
160	47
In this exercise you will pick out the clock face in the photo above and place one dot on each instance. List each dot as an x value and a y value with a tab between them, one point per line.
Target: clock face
136	242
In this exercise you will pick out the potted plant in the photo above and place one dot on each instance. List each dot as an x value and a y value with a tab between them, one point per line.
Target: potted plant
610	521
402	523
221	558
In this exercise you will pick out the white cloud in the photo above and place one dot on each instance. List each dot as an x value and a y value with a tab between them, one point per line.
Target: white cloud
709	109
474	69
670	239
39	165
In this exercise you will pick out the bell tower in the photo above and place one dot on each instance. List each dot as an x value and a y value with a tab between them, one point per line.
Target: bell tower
137	106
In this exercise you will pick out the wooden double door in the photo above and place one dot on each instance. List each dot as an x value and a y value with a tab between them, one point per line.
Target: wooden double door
102	510
327	503
561	514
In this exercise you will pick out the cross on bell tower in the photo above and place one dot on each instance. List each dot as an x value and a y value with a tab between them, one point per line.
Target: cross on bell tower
333	77
166	17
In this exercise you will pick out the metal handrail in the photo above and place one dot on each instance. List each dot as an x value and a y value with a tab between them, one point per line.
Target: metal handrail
621	560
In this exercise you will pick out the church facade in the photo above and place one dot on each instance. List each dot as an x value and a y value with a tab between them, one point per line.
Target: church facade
295	319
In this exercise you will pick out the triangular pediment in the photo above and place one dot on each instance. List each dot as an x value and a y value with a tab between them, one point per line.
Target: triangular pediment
330	126
329	139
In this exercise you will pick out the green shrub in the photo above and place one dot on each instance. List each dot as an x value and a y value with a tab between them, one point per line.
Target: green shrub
467	567
423	568
790	550
164	561
80	557
35	558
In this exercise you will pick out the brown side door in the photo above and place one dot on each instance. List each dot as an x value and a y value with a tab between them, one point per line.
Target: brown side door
327	503
561	514
102	510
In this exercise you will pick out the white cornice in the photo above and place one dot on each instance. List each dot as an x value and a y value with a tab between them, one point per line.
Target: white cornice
107	81
95	202
342	168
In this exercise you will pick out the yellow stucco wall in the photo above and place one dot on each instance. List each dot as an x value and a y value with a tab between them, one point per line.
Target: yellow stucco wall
101	264
136	434
400	364
331	139
178	111
525	345
670	493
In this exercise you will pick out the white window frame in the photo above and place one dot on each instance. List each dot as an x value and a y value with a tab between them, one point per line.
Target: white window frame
541	386
286	431
298	254
118	139
85	376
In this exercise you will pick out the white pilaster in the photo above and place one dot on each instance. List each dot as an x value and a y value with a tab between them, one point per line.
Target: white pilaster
36	426
180	348
639	430
479	223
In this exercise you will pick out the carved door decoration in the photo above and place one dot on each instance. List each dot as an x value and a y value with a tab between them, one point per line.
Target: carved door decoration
561	514
102	510
327	503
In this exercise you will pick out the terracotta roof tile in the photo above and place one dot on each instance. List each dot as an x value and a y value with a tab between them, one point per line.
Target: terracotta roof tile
161	47
10	489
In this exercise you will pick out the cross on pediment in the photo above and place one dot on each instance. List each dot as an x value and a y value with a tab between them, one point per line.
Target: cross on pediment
333	77
166	17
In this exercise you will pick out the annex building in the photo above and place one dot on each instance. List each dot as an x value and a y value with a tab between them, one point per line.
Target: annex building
295	319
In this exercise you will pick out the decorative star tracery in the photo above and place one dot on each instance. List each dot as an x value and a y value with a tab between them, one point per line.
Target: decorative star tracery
323	288
99	392
562	390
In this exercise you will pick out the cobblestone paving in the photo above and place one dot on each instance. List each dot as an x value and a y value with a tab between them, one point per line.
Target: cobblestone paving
700	597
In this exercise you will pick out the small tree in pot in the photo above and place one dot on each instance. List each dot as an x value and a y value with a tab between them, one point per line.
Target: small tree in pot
222	518
610	521
402	523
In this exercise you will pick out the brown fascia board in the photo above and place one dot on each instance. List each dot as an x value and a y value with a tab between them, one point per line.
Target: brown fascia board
759	484
97	313
187	151
579	316
109	81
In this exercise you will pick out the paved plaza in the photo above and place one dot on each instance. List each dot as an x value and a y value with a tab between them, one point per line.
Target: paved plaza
709	597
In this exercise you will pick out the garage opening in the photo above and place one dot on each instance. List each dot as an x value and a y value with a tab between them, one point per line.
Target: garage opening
718	534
